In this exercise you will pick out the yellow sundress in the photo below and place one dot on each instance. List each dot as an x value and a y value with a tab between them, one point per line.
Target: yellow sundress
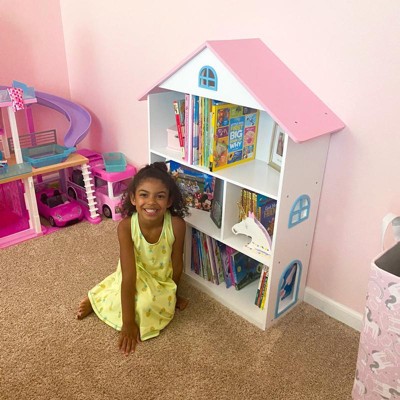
155	289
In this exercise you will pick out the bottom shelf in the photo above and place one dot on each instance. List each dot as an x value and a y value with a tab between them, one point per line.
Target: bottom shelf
240	302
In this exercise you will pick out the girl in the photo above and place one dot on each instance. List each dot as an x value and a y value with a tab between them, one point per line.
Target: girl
139	298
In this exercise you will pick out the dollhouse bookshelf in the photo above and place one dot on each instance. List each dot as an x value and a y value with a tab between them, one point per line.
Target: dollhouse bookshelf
307	124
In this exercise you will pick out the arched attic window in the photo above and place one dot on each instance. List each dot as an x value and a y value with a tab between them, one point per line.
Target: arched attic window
300	210
208	78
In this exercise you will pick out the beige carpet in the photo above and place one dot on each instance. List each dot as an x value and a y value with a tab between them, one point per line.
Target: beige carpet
207	352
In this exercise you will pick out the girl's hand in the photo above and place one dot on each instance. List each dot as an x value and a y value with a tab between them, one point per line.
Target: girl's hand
128	338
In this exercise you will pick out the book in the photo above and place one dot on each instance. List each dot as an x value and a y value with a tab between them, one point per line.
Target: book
197	187
225	263
216	206
179	122
218	260
195	130
265	212
211	259
245	269
229	252
187	132
262	287
203	265
195	259
234	135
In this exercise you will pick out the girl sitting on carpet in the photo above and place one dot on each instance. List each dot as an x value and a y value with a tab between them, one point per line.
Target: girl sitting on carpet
139	298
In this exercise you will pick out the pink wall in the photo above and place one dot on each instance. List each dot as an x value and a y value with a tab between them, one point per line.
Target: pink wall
344	51
32	51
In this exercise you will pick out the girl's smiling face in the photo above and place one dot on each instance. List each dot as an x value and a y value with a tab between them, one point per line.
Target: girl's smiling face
151	199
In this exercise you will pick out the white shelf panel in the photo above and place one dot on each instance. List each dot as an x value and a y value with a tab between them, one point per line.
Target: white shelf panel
239	301
168	153
254	175
239	242
202	221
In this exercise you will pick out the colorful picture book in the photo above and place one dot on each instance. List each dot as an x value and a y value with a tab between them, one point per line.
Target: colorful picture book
233	131
197	187
245	269
216	207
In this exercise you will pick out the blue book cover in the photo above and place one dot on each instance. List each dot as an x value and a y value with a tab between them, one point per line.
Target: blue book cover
245	269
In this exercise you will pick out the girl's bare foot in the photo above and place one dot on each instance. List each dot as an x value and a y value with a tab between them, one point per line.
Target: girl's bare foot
84	309
181	303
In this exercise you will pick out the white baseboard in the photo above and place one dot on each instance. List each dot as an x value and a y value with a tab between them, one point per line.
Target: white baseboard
333	309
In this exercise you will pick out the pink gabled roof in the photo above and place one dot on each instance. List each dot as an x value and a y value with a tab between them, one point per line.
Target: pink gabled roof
299	112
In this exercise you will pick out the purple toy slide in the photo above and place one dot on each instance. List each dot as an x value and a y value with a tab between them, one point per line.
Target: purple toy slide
79	118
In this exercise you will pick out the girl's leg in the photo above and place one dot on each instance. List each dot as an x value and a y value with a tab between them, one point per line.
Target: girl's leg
84	309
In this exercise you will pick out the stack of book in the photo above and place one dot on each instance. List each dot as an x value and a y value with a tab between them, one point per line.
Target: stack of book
219	263
215	134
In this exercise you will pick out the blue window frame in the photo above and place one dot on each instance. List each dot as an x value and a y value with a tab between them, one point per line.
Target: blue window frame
208	78
300	210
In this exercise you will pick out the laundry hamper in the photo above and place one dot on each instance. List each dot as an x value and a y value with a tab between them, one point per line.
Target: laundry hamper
378	364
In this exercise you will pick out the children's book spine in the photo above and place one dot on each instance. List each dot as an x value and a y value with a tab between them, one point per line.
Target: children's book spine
264	291
234	266
205	258
195	143
203	272
195	253
211	259
188	130
230	252
225	264
261	284
218	261
179	125
201	101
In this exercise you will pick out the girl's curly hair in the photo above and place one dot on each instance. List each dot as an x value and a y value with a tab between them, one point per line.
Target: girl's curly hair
156	170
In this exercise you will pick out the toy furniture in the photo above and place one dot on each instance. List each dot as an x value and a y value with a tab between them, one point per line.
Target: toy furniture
246	72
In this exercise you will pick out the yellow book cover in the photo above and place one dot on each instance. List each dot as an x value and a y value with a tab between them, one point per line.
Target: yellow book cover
234	131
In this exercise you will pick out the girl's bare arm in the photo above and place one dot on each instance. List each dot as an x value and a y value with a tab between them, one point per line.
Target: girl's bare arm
179	228
129	333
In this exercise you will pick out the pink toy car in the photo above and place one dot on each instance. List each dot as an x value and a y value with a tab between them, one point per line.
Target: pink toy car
57	208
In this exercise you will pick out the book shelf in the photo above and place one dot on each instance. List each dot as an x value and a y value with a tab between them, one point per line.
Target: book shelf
307	124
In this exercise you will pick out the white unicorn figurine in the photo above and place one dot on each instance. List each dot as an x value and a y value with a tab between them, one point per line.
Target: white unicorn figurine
260	239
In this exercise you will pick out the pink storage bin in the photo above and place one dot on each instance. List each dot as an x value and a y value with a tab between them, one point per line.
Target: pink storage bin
378	364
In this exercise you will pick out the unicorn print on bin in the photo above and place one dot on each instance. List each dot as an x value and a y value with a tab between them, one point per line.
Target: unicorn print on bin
260	238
